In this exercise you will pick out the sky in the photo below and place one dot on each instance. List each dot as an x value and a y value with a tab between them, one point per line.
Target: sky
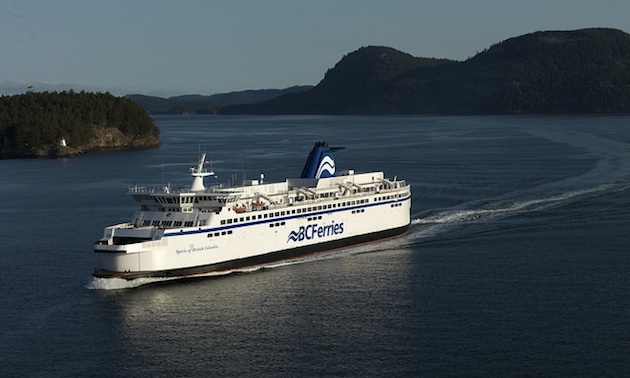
168	48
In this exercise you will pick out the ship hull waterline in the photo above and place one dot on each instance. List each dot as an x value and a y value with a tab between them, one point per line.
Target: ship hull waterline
258	260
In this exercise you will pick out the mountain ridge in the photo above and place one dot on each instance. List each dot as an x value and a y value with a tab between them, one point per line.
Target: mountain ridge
202	104
544	72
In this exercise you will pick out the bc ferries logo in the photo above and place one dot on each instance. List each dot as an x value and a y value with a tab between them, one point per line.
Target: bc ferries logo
315	231
326	167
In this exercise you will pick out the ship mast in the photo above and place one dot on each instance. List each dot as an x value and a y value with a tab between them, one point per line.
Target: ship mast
198	173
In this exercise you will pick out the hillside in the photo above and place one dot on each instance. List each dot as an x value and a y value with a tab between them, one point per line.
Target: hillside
198	104
34	124
553	72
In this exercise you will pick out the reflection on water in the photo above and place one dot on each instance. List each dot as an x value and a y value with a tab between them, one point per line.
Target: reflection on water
286	312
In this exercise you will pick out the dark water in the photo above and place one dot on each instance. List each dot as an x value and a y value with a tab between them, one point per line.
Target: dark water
517	262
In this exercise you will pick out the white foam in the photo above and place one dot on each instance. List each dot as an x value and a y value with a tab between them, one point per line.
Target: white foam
120	283
502	208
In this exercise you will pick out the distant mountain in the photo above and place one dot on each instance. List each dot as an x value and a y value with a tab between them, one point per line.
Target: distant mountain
198	104
552	72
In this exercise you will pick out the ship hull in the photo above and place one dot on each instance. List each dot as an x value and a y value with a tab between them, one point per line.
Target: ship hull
258	260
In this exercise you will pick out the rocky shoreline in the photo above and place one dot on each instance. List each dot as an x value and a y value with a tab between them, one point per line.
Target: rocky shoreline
106	139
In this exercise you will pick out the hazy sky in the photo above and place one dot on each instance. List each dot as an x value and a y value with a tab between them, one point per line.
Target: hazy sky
207	46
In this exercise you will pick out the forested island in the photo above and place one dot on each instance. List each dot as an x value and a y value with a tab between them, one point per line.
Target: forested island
554	72
57	124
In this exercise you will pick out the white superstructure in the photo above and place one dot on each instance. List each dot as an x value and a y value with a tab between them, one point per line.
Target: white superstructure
200	230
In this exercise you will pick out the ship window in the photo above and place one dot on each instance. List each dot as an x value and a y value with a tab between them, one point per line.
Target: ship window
277	214
229	221
270	224
223	221
282	224
247	218
188	224
259	216
229	232
216	234
265	216
241	219
282	213
210	235
299	211
222	232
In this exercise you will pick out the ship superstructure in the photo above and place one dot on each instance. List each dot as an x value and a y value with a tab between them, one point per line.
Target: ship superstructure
197	230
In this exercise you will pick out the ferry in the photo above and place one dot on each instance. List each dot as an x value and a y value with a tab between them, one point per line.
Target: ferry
198	230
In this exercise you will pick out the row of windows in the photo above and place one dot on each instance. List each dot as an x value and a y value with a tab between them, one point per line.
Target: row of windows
193	199
165	223
393	196
277	224
357	211
222	233
177	199
178	210
396	204
314	218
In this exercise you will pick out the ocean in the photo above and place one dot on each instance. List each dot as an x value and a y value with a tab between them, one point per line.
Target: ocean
516	263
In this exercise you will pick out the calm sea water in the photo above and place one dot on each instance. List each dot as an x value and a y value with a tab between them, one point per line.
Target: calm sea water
517	262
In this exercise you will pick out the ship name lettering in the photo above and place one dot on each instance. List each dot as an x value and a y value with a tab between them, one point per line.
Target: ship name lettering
193	248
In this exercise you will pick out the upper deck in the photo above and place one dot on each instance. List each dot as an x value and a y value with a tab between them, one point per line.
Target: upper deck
319	182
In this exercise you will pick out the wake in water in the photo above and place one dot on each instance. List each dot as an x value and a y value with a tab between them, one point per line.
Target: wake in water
445	220
121	283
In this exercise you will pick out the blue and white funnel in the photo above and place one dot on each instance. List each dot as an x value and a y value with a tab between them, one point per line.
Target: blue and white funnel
320	163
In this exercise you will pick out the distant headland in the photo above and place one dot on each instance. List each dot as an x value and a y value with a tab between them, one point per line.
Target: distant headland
583	71
51	124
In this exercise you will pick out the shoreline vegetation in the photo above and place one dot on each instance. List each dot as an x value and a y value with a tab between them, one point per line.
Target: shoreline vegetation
63	124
